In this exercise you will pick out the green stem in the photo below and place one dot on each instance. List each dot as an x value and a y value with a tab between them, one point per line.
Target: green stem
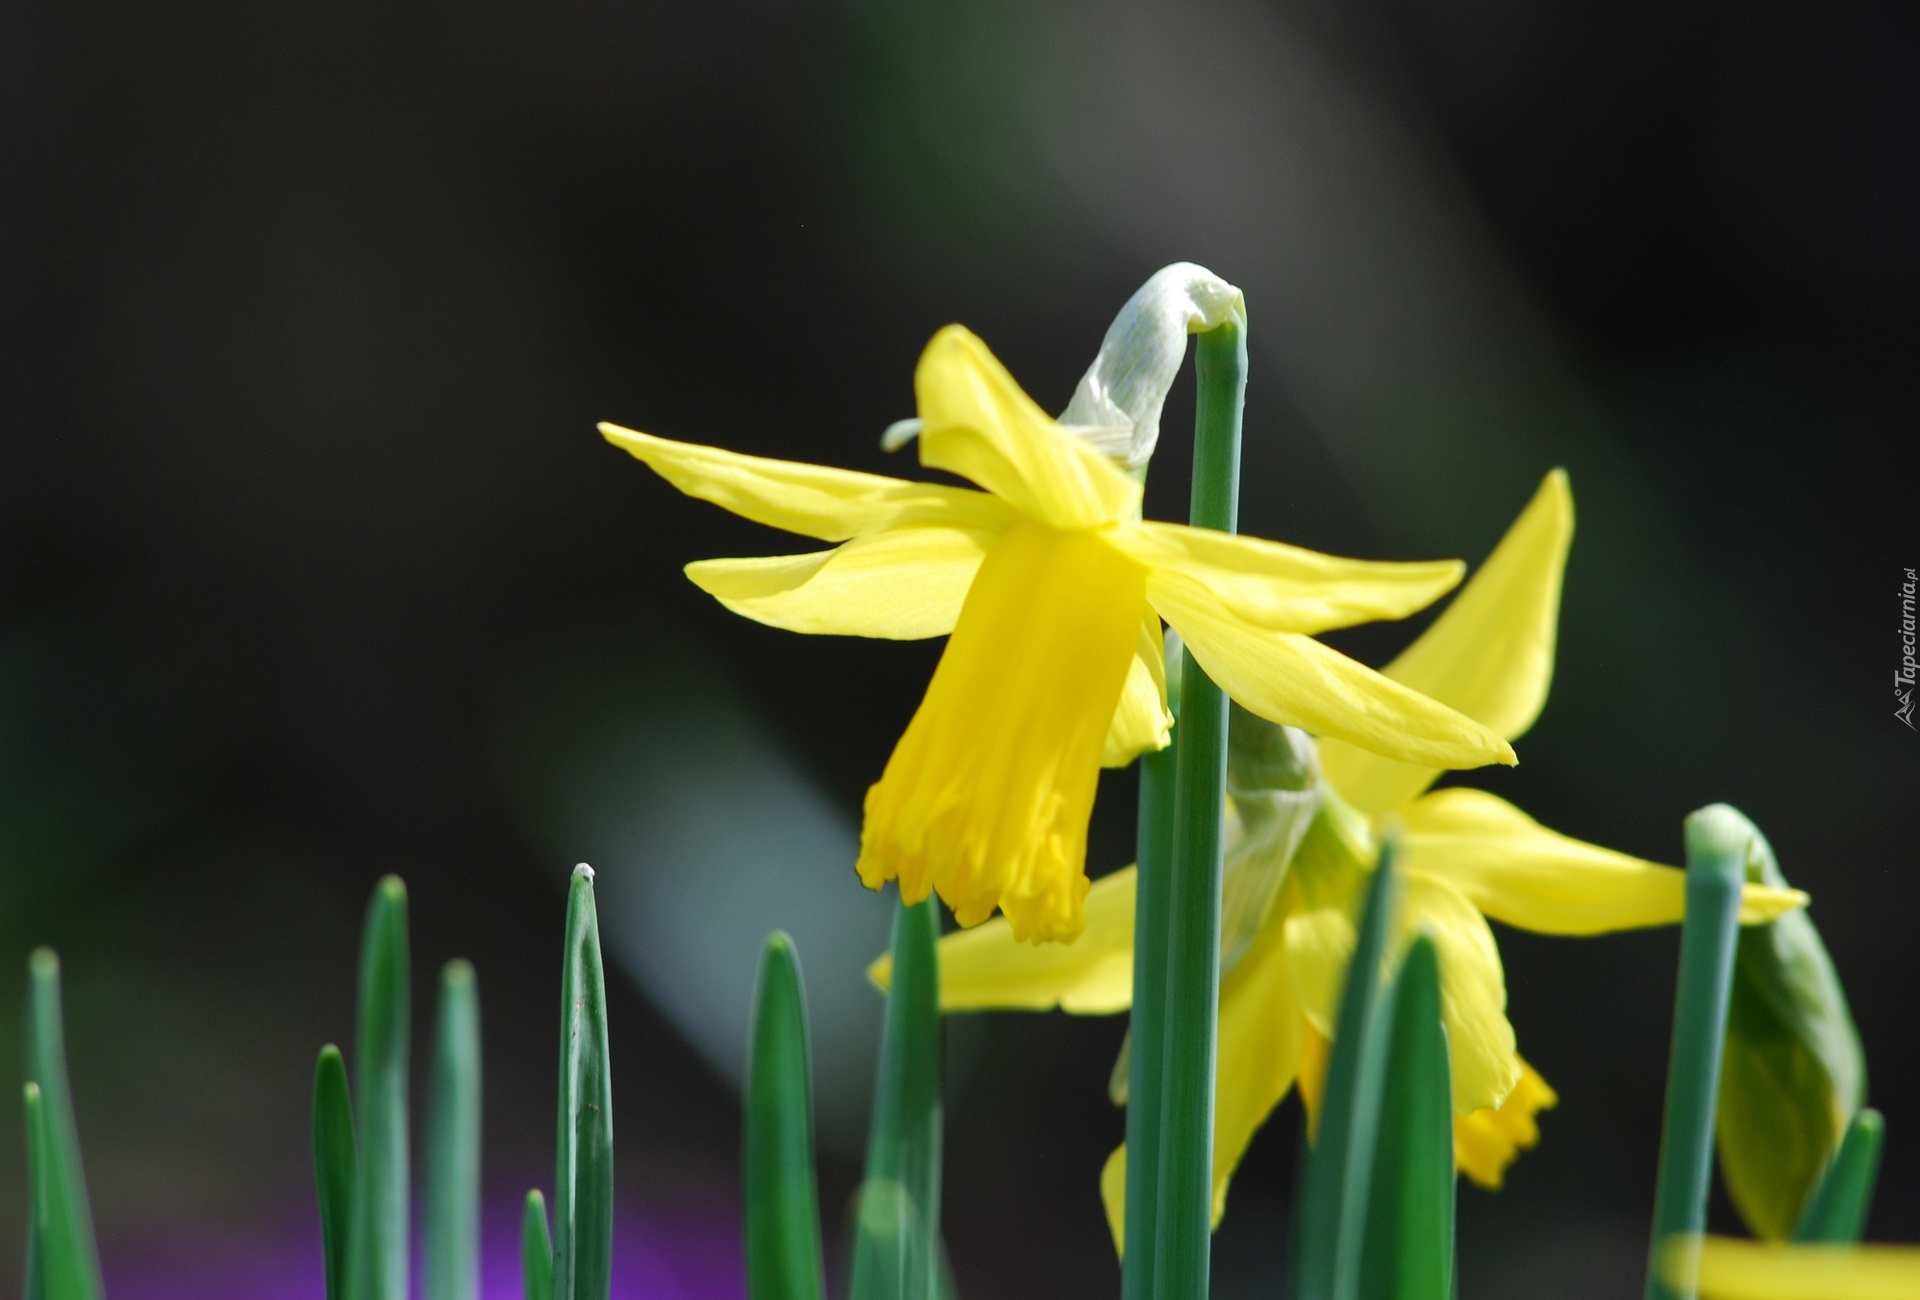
1193	899
335	1164
1717	843
1146	1044
536	1249
63	1261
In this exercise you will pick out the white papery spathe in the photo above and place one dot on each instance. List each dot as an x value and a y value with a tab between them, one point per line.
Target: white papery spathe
1116	407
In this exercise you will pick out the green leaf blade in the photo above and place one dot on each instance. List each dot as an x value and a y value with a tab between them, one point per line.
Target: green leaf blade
782	1200
1837	1211
65	1257
896	1253
1336	1187
335	1164
453	1141
583	1178
1408	1253
536	1249
377	1239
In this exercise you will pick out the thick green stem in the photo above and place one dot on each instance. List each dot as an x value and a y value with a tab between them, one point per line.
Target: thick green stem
1836	1213
1146	1031
1185	1174
1717	844
453	1141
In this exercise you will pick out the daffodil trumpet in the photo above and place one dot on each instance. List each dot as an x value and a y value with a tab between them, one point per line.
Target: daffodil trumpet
1051	590
1466	856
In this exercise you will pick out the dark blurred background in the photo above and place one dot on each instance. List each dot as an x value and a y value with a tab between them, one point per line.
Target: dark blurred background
312	566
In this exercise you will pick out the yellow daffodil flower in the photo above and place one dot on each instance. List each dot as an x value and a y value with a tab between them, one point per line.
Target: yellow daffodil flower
1750	1270
1053	589
1466	856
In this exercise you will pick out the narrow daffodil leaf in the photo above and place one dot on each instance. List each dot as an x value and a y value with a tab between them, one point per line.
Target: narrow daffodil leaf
896	1251
1408	1252
583	1177
1794	1073
1837	1210
1336	1186
377	1236
536	1249
1718	843
782	1210
335	1162
65	1256
453	1141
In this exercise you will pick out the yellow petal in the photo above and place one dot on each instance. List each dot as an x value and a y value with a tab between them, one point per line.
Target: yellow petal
813	500
1517	871
1285	588
1752	1270
902	584
986	968
1489	654
986	797
1113	1195
1259	1050
979	424
1142	722
1295	680
1488	1140
1258	1053
1320	928
1473	990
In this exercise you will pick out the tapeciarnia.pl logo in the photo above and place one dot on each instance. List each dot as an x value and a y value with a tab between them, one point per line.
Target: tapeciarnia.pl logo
1903	675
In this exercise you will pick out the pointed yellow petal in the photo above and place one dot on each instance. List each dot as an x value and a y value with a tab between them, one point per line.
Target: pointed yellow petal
813	500
979	424
1752	1270
1295	680
1320	926
986	968
987	796
1516	870
1489	655
1488	1140
1113	1195
1259	1053
1473	990
902	584
1285	588
1142	723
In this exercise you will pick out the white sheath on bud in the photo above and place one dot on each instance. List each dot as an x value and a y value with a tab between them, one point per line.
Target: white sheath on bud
1116	408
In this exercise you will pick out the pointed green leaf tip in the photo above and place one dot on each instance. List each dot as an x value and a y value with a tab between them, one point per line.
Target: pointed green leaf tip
783	1212
453	1141
63	1263
1794	1074
896	1251
335	1164
1337	1187
1408	1254
1837	1211
536	1249
377	1237
583	1177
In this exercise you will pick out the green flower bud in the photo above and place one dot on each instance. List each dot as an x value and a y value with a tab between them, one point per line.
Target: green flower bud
1793	1074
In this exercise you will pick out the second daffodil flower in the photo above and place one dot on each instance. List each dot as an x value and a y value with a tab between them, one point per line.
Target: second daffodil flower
1052	588
1300	850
